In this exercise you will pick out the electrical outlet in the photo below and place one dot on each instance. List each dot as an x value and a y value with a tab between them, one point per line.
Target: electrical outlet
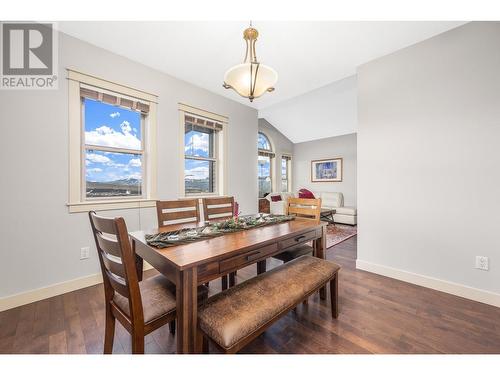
84	253
482	263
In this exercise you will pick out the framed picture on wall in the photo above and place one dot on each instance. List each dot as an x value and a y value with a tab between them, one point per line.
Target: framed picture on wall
326	170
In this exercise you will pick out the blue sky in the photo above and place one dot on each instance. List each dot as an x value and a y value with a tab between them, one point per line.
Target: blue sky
197	144
264	167
112	126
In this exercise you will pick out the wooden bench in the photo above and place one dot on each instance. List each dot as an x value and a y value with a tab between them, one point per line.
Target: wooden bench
234	317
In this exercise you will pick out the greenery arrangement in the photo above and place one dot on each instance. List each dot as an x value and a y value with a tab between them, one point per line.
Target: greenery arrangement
235	224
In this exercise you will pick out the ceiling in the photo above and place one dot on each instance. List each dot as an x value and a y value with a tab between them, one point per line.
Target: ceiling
306	55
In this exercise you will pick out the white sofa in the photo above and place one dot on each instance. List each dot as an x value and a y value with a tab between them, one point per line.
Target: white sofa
329	200
279	208
334	200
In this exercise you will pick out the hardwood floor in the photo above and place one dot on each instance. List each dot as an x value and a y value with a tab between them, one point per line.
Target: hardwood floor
377	315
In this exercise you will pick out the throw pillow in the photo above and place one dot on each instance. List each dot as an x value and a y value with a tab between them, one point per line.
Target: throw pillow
304	193
275	198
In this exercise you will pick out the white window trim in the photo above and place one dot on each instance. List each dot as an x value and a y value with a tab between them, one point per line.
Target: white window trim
76	202
289	170
221	164
272	163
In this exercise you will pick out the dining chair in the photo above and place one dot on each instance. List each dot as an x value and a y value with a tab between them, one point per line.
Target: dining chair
220	208
178	211
304	209
141	307
182	211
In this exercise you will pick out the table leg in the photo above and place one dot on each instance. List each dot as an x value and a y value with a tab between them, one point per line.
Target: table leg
319	251
261	267
187	310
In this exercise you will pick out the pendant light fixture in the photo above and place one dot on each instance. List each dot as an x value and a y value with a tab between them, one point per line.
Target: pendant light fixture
250	79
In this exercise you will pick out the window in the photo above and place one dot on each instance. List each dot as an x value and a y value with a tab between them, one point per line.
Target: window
113	150
286	161
203	151
112	145
264	165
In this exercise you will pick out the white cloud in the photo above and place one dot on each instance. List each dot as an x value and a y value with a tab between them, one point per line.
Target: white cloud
114	114
106	136
197	142
94	170
97	158
135	162
198	173
125	126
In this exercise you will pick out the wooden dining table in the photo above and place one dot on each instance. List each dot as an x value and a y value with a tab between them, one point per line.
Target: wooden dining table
196	263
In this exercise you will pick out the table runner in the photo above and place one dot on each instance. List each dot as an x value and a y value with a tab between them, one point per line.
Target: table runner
188	235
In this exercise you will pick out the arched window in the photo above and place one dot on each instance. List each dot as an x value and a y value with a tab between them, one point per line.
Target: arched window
264	165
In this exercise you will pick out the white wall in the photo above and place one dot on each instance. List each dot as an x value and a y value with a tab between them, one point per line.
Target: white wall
281	146
40	240
428	159
343	146
325	112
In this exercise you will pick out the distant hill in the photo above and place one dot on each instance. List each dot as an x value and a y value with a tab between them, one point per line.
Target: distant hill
122	187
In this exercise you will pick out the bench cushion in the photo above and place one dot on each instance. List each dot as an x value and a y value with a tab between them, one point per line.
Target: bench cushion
232	315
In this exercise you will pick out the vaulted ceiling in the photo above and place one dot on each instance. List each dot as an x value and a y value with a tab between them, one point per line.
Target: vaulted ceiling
306	55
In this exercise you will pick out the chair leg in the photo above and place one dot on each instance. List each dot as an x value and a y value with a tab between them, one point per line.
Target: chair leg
334	296
201	342
109	331
224	282
171	327
232	279
138	342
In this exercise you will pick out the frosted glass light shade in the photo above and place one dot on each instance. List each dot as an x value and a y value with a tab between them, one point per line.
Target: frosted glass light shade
243	77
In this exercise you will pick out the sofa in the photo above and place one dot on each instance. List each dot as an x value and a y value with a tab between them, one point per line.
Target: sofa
329	200
334	200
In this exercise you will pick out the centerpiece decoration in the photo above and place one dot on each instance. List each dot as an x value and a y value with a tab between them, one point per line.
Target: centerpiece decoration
215	229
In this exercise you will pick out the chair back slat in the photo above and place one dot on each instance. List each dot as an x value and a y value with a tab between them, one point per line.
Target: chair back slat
109	245
113	266
182	210
104	225
304	208
117	261
119	284
218	207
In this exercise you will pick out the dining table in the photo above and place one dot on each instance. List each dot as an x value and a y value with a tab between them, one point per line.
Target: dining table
191	264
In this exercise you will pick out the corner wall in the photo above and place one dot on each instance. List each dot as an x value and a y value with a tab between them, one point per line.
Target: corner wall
343	146
428	162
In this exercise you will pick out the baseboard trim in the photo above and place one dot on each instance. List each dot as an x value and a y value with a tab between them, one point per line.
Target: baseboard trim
456	289
53	290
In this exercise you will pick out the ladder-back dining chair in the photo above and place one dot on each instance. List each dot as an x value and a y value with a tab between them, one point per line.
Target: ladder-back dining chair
303	209
182	211
220	208
141	307
178	211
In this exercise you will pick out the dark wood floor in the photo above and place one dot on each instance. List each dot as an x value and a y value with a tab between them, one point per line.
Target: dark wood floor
377	315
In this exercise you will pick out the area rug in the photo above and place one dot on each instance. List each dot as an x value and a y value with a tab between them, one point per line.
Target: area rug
337	233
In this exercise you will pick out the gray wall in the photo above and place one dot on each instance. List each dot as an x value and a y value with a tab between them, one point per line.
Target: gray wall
343	146
429	156
281	145
41	240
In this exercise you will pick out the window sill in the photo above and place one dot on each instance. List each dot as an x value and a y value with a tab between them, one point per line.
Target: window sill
110	205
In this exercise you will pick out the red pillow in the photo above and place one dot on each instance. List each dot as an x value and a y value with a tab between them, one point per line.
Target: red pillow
275	198
304	193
